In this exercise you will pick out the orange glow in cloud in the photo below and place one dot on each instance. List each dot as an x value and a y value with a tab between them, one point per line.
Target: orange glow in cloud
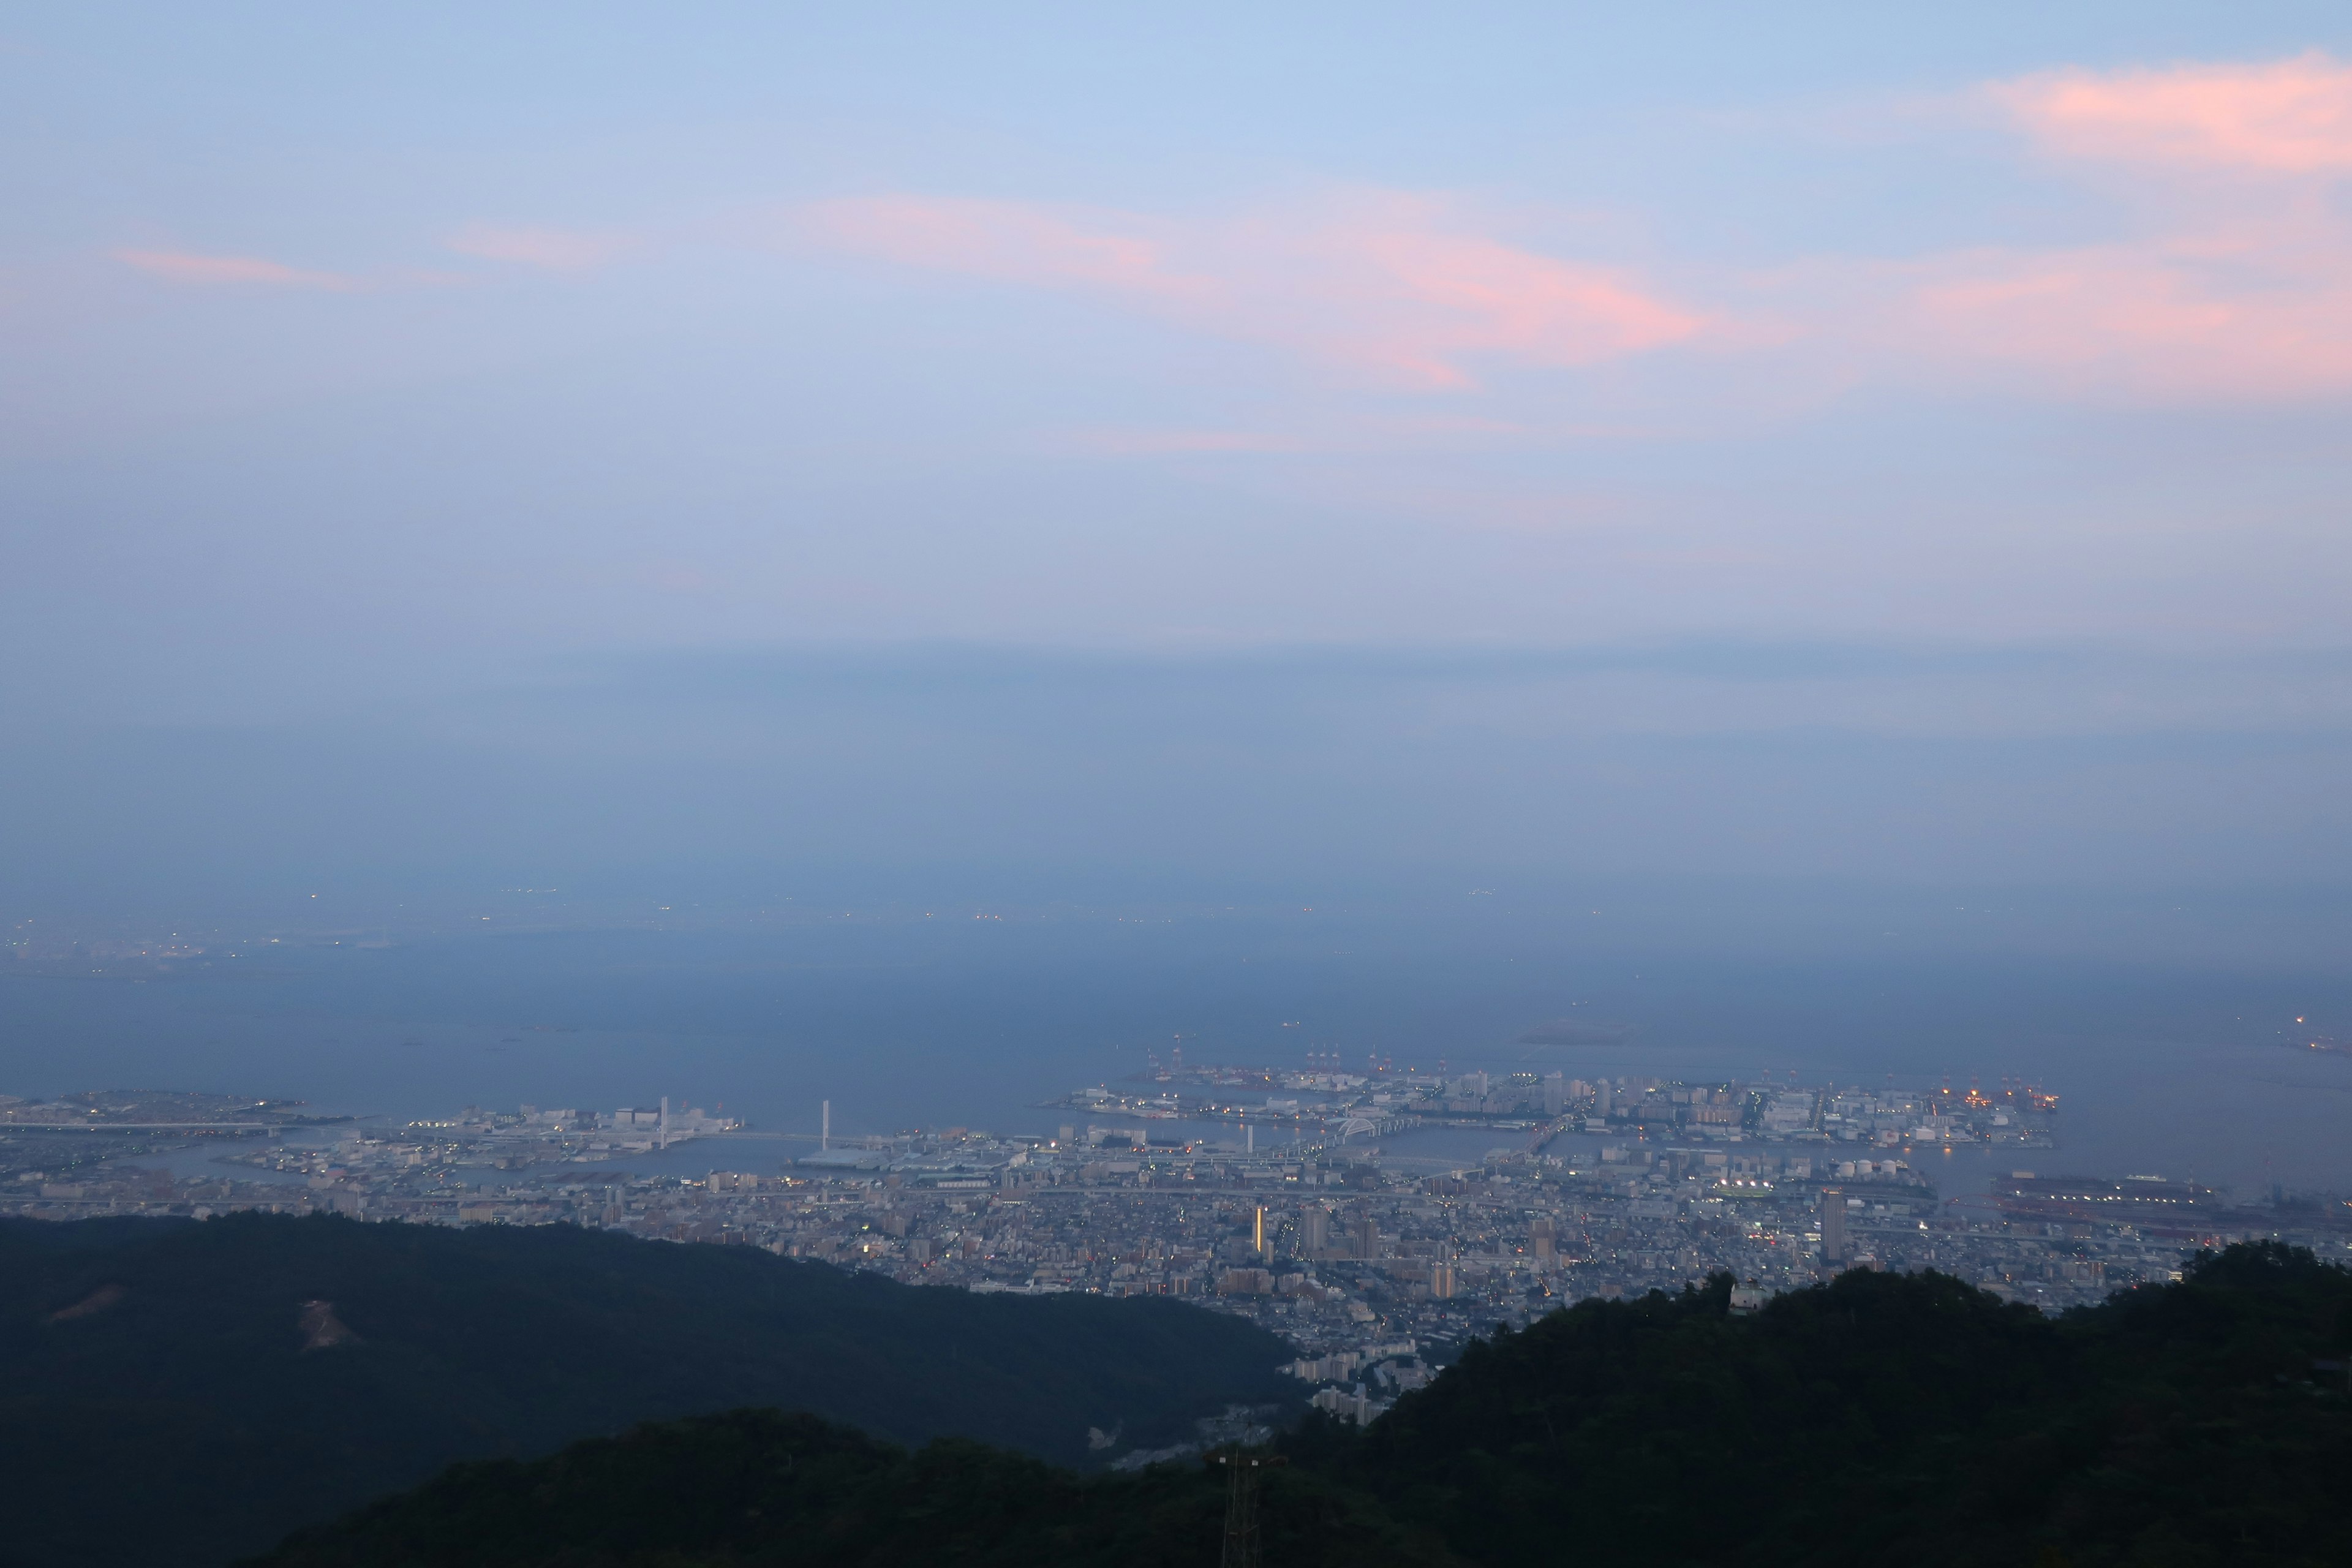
180	266
1385	285
555	249
2294	117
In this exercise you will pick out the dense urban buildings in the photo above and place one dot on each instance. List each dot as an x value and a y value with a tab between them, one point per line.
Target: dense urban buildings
1264	1193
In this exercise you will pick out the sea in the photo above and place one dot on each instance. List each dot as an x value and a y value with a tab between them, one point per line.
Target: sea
911	1018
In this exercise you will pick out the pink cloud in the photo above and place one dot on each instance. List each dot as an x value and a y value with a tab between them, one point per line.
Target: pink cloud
1135	442
556	250
2238	293
2259	313
1468	296
1392	285
1406	291
2291	117
1325	432
182	267
1012	242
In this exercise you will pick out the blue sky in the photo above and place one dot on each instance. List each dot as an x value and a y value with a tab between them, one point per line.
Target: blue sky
1835	439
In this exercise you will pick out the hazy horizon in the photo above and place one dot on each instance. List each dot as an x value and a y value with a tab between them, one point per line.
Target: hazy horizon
1831	499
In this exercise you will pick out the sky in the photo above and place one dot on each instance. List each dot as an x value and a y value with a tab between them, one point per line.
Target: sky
1221	447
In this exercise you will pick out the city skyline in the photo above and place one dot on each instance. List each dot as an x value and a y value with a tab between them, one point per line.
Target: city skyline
964	784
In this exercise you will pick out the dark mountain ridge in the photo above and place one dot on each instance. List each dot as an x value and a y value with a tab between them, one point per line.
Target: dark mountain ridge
1910	1416
759	1486
177	1392
1875	1418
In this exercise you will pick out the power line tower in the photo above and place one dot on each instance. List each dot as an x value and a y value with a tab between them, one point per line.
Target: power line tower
1241	1469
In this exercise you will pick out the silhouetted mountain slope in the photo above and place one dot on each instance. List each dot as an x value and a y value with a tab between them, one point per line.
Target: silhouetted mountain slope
1889	1417
757	1487
174	1392
157	1379
1878	1419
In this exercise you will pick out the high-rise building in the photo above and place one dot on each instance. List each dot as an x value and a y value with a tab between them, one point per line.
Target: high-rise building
1367	1235
1314	1230
1543	1240
1833	1224
1441	1282
1555	1093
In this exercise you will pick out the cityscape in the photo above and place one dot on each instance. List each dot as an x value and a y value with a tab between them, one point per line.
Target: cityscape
1133	787
1288	1196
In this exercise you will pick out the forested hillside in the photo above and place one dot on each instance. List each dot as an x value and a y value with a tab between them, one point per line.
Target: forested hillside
1893	1416
761	1488
174	1392
1879	1418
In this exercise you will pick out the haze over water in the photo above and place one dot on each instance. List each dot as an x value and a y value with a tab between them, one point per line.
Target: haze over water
903	1021
906	556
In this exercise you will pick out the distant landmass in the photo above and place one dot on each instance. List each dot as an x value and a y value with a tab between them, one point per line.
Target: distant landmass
1874	1419
1577	1032
176	1393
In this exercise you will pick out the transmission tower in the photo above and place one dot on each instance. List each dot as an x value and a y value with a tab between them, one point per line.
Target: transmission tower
1241	1504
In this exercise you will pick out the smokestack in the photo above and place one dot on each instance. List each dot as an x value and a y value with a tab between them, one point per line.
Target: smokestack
665	1122
824	1128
